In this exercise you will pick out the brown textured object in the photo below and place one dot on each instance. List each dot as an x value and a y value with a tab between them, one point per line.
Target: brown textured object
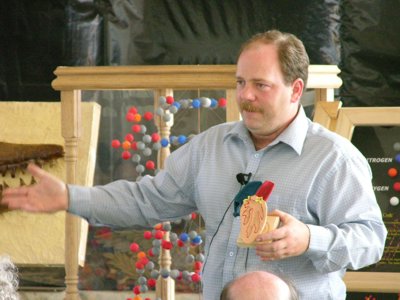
14	156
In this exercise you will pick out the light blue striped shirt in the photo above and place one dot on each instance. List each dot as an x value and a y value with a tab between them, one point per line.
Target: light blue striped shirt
320	178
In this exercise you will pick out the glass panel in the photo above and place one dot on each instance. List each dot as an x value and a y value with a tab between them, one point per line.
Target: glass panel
110	265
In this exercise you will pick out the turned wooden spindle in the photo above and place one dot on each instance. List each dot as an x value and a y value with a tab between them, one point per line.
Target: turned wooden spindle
71	131
165	288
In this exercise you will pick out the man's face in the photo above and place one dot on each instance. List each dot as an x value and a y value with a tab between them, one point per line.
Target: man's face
266	103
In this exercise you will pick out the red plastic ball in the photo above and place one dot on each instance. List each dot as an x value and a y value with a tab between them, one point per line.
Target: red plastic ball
126	155
180	276
136	128
169	99
196	277
139	265
221	102
147	235
150	165
148	116
155	137
130	117
133	110
134	146
150	252
197	265
115	144
144	261
180	243
167	245
151	282
158	235
129	137
396	186
136	290
134	247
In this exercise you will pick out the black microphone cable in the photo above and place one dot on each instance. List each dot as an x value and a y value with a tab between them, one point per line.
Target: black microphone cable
241	178
216	231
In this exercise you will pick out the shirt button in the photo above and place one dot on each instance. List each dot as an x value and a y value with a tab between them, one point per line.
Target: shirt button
231	253
257	155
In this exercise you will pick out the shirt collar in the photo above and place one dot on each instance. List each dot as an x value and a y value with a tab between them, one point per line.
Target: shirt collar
294	135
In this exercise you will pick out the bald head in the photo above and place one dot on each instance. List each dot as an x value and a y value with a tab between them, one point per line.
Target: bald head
258	285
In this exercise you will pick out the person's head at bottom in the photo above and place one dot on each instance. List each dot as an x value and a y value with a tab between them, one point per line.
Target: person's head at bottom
259	285
8	279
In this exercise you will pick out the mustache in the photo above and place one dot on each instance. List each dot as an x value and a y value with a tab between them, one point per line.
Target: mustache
247	106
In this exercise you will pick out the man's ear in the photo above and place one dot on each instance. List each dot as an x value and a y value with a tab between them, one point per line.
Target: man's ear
297	89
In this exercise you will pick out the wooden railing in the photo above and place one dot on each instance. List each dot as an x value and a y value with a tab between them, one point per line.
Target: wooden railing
163	80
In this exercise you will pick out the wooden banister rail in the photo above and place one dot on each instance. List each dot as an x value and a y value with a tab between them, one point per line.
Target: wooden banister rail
324	77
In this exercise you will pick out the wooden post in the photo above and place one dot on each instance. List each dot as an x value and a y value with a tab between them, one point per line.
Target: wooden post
165	288
71	131
232	110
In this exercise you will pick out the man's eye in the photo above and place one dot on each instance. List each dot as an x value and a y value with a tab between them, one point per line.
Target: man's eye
262	85
239	82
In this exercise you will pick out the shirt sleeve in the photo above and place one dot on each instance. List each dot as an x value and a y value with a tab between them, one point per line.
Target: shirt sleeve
351	233
126	204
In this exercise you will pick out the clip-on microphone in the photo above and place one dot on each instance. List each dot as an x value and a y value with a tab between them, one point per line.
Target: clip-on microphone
243	178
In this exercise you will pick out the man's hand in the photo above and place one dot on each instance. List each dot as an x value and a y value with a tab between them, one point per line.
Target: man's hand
292	238
49	194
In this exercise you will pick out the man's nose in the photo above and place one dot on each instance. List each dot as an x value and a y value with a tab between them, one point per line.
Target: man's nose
247	93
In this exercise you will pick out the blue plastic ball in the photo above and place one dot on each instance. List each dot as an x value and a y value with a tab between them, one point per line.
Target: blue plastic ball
214	103
181	139
184	237
197	240
196	103
177	104
164	142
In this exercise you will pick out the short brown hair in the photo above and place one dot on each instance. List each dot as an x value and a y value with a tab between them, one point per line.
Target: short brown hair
293	57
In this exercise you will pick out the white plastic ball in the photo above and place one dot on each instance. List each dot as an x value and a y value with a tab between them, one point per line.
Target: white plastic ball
394	201
205	102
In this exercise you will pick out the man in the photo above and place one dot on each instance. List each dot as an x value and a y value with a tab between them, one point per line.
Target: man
330	220
259	285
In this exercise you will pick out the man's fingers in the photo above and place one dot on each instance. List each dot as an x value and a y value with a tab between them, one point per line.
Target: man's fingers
11	197
36	171
15	192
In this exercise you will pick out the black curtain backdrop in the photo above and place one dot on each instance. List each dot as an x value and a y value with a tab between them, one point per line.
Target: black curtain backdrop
210	32
37	36
31	46
370	44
